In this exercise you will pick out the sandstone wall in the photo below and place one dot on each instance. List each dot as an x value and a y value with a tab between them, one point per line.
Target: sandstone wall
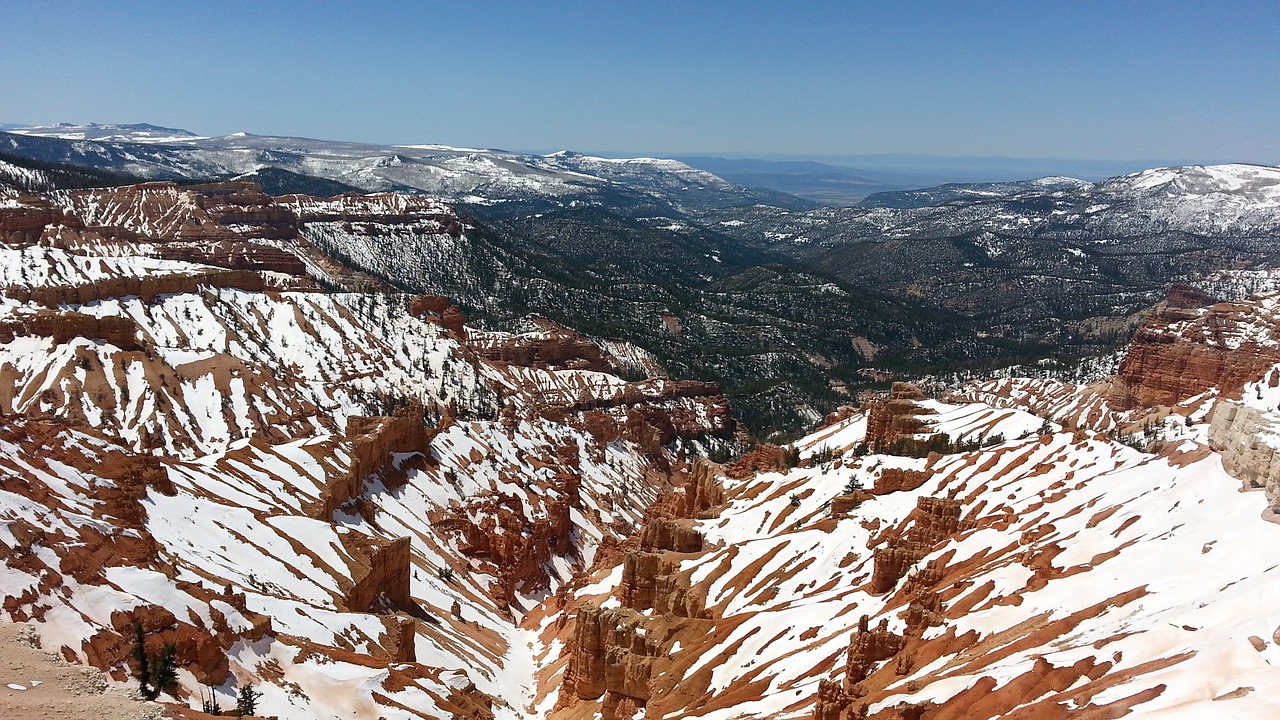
1249	442
64	327
373	440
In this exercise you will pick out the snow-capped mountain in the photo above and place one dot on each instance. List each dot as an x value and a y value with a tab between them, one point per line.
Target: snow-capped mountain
132	133
457	174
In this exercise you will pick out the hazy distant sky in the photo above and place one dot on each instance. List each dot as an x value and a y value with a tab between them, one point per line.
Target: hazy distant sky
1061	78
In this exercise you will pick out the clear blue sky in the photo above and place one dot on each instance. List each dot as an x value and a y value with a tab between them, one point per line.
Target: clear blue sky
1064	79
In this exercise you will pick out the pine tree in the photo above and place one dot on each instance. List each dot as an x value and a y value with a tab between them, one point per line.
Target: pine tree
247	701
153	673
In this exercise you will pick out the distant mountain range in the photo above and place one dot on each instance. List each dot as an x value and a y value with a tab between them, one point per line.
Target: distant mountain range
464	175
784	303
847	180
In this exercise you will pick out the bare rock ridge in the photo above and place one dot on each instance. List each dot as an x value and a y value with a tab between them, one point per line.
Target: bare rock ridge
550	345
374	442
618	654
933	520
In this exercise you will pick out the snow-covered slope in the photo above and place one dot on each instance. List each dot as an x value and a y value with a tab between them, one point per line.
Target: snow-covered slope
334	498
1062	575
362	508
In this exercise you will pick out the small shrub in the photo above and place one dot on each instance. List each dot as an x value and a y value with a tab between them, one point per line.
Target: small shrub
823	456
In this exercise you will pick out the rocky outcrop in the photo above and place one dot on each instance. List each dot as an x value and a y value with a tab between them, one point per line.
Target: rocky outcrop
146	288
869	646
896	420
437	309
200	646
764	458
25	223
933	520
618	653
352	209
1248	439
842	505
516	543
1181	353
63	327
675	535
373	440
900	479
651	575
379	573
698	491
549	346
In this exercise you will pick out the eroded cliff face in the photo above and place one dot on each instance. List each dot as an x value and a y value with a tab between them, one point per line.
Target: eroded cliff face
618	658
298	488
897	418
1246	433
1182	352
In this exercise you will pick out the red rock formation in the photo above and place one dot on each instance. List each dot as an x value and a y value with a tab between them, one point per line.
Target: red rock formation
897	418
146	288
842	505
25	225
1181	353
842	413
640	573
898	479
868	646
651	574
933	520
233	224
515	546
380	575
373	440
761	459
64	327
675	535
549	346
615	655
199	648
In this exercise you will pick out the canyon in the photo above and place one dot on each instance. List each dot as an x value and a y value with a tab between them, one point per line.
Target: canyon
220	424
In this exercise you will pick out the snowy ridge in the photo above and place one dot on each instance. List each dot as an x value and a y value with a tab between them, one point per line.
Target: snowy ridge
1072	552
137	132
458	174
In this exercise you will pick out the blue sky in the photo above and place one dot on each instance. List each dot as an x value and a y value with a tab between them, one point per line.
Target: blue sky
1197	81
